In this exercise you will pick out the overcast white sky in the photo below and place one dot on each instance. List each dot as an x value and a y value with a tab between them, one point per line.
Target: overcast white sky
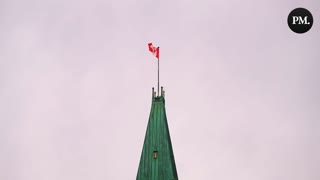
242	90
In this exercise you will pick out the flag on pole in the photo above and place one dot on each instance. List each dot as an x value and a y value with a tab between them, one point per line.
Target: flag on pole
154	50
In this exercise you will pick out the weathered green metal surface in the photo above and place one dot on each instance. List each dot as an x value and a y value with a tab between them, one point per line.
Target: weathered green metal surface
157	160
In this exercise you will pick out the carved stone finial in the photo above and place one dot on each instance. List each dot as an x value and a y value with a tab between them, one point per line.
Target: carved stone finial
161	91
153	93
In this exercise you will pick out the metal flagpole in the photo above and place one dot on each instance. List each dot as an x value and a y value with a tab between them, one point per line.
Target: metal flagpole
158	73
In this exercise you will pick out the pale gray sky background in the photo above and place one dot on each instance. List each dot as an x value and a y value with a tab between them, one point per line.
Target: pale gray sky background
242	90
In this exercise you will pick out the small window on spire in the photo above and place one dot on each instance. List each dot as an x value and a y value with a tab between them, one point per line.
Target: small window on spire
155	154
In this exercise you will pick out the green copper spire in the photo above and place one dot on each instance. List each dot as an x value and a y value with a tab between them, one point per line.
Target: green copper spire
157	160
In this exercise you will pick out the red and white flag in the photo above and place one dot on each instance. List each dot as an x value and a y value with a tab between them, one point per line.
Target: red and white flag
154	50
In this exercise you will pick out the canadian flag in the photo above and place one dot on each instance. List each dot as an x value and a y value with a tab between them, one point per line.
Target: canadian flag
154	50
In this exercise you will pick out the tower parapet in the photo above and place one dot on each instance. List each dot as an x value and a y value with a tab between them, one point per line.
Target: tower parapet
161	94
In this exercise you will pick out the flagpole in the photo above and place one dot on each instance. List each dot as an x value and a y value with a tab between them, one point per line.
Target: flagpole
158	73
